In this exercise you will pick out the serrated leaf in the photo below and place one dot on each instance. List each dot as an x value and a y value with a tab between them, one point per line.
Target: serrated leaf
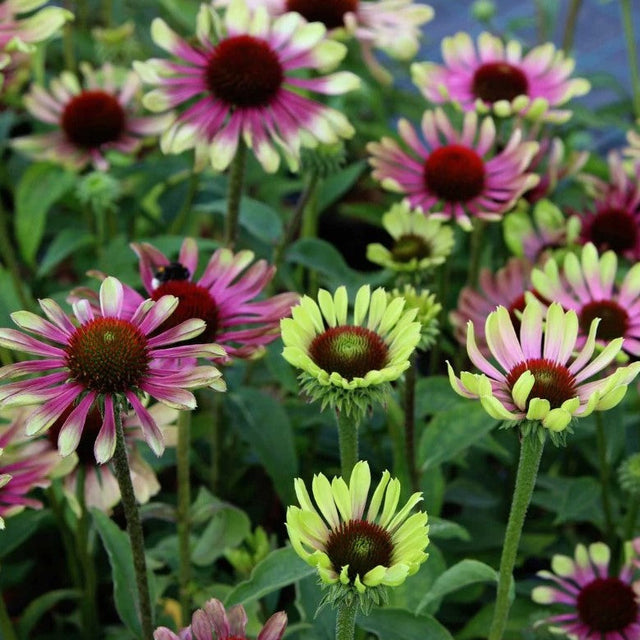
453	431
40	186
280	568
398	624
262	422
462	574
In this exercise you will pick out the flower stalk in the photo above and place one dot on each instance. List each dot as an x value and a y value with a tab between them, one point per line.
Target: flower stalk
236	181
530	455
632	54
184	503
348	442
605	473
346	619
134	526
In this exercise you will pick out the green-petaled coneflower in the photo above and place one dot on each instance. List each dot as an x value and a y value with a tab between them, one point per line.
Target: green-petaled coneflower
359	545
420	243
348	364
428	311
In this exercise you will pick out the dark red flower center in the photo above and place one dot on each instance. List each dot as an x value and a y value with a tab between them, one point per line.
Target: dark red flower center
329	12
607	604
362	545
92	426
244	71
613	229
195	302
454	173
108	355
614	320
93	118
410	246
553	381
350	351
495	81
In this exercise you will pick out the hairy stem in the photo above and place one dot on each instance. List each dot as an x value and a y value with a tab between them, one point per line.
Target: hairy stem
236	181
346	620
184	503
348	441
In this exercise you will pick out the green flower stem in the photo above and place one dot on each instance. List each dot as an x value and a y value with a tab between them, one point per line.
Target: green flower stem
89	588
348	441
7	632
134	525
236	180
475	252
570	25
214	442
346	620
67	538
184	503
107	12
605	475
67	42
179	222
530	454
632	54
409	421
292	229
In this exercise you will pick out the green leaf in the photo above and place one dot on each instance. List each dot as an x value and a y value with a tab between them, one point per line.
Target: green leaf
125	593
19	528
228	528
335	186
445	529
9	300
265	425
398	624
571	499
67	242
462	574
40	186
434	394
452	431
280	568
38	607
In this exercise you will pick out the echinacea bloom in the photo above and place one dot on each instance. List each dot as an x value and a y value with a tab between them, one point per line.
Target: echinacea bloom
26	463
455	174
596	603
91	118
109	358
419	243
225	296
538	378
587	284
393	26
539	233
99	483
495	76
212	622
354	547
428	311
347	364
240	81
18	31
506	287
615	221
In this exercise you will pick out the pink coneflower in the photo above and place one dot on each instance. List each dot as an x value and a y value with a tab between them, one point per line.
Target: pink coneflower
506	287
600	605
16	30
458	173
224	296
615	222
26	462
212	621
496	76
540	379
587	285
394	26
100	486
241	81
91	118
109	359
